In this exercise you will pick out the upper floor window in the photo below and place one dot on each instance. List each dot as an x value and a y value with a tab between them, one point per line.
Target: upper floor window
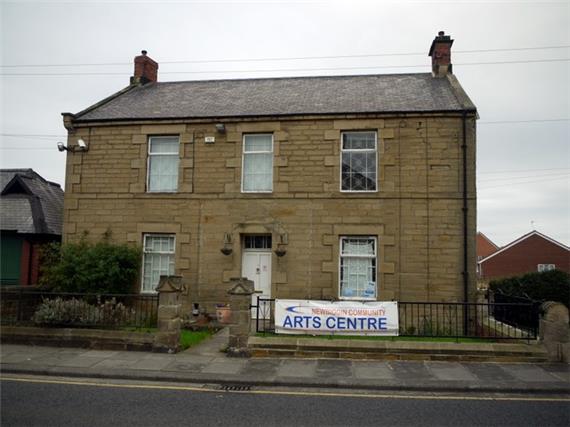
163	158
358	171
545	267
257	175
158	259
357	267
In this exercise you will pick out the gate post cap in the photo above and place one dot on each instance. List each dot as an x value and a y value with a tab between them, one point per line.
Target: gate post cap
555	311
241	286
171	284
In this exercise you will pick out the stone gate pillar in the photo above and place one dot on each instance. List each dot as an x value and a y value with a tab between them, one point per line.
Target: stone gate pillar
240	300
167	339
554	331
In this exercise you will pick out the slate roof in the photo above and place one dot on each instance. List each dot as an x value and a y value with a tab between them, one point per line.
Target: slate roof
29	203
384	93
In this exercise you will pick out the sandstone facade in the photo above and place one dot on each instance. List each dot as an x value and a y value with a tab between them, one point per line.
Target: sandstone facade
416	214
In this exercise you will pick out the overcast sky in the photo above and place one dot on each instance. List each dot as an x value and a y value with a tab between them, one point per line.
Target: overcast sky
518	78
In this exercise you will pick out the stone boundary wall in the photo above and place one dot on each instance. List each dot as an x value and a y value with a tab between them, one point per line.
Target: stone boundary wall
84	338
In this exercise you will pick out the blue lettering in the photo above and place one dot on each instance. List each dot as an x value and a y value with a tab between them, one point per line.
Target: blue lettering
372	323
382	323
307	321
298	322
287	322
361	323
330	322
341	323
316	322
351	323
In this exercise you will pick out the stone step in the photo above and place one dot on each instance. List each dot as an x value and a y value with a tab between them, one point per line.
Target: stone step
395	350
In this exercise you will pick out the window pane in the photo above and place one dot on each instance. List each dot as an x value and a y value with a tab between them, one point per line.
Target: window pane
158	260
257	143
164	144
359	141
358	267
356	246
163	173
258	172
358	170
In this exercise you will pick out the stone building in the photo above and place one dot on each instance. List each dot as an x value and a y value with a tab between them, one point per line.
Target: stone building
345	187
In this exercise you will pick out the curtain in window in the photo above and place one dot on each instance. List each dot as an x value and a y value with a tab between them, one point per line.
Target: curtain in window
258	163
158	260
163	164
358	268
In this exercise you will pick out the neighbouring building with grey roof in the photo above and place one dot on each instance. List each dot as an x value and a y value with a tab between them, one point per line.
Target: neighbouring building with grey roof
345	187
31	214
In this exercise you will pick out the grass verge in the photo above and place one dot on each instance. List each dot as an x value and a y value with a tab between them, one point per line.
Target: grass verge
188	338
191	338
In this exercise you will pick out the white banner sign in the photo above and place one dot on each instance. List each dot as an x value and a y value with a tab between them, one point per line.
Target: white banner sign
341	317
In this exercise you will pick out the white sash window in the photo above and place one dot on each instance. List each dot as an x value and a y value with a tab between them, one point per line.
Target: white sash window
358	268
257	176
158	260
163	159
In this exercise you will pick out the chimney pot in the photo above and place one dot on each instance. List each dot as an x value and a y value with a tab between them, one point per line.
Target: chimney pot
441	33
146	69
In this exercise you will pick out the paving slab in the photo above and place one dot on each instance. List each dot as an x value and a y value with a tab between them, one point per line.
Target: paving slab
372	371
79	362
489	372
151	364
450	371
333	368
407	370
224	367
178	366
113	364
100	353
529	373
559	370
297	368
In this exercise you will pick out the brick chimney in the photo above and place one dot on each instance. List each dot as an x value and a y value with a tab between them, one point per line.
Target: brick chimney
146	70
440	52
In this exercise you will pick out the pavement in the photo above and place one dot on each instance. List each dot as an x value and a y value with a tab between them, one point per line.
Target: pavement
206	363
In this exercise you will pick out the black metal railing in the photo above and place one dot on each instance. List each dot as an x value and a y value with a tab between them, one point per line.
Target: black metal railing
24	307
504	312
468	320
264	314
516	320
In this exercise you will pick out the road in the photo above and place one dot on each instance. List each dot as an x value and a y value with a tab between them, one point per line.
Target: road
44	401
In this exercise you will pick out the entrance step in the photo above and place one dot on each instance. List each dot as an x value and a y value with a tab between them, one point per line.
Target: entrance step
396	350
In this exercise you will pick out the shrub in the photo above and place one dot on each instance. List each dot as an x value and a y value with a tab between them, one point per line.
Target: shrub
551	285
85	267
75	312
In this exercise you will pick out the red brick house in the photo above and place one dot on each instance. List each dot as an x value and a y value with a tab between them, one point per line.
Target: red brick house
532	252
485	246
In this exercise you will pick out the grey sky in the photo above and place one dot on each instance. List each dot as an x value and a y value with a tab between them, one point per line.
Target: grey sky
523	167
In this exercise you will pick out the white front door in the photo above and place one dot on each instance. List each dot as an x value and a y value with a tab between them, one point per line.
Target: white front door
257	267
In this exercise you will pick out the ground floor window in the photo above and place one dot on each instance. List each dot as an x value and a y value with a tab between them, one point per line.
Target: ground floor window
357	267
158	259
546	267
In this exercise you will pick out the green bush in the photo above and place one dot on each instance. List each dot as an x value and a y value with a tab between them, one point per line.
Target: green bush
85	267
551	285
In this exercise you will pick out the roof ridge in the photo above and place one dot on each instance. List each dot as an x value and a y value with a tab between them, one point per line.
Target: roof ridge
522	238
287	78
